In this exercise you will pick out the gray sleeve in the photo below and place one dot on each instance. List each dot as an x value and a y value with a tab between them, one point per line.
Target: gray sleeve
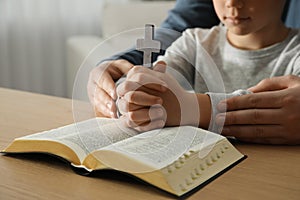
180	58
215	98
296	64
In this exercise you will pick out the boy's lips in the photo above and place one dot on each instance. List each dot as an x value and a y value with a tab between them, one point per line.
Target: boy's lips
236	19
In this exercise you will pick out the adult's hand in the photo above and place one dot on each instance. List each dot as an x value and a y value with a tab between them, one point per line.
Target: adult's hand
101	86
271	115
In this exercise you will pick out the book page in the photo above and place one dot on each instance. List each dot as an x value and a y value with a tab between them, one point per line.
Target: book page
159	148
86	136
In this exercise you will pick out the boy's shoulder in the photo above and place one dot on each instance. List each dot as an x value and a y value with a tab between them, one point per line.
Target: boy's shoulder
293	39
296	32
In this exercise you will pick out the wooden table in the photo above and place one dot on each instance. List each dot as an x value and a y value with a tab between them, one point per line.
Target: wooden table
269	172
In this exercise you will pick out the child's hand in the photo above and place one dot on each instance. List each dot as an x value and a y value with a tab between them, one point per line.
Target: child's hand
152	99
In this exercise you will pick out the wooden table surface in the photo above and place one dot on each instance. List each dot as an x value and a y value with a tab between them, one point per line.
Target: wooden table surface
269	172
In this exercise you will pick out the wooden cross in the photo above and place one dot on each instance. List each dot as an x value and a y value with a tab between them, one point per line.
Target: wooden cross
148	45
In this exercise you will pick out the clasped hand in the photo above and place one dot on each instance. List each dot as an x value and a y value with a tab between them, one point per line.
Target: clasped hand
151	99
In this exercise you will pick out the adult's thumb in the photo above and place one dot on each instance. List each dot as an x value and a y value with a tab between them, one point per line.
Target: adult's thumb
271	84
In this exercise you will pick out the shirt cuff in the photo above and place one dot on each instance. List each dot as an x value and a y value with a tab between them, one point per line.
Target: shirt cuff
215	98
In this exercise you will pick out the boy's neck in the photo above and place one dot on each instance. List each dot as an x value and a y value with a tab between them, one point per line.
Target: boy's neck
260	39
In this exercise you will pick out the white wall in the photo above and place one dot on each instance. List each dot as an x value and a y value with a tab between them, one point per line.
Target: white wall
33	36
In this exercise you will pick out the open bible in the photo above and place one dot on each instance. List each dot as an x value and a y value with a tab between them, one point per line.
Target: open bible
175	159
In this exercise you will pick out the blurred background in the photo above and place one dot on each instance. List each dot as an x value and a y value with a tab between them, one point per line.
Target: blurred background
43	42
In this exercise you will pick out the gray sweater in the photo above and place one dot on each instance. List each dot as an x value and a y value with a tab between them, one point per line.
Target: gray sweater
203	60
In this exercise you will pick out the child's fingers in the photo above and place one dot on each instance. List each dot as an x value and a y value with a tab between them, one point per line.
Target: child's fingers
142	98
145	76
132	85
144	116
161	66
125	107
151	81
